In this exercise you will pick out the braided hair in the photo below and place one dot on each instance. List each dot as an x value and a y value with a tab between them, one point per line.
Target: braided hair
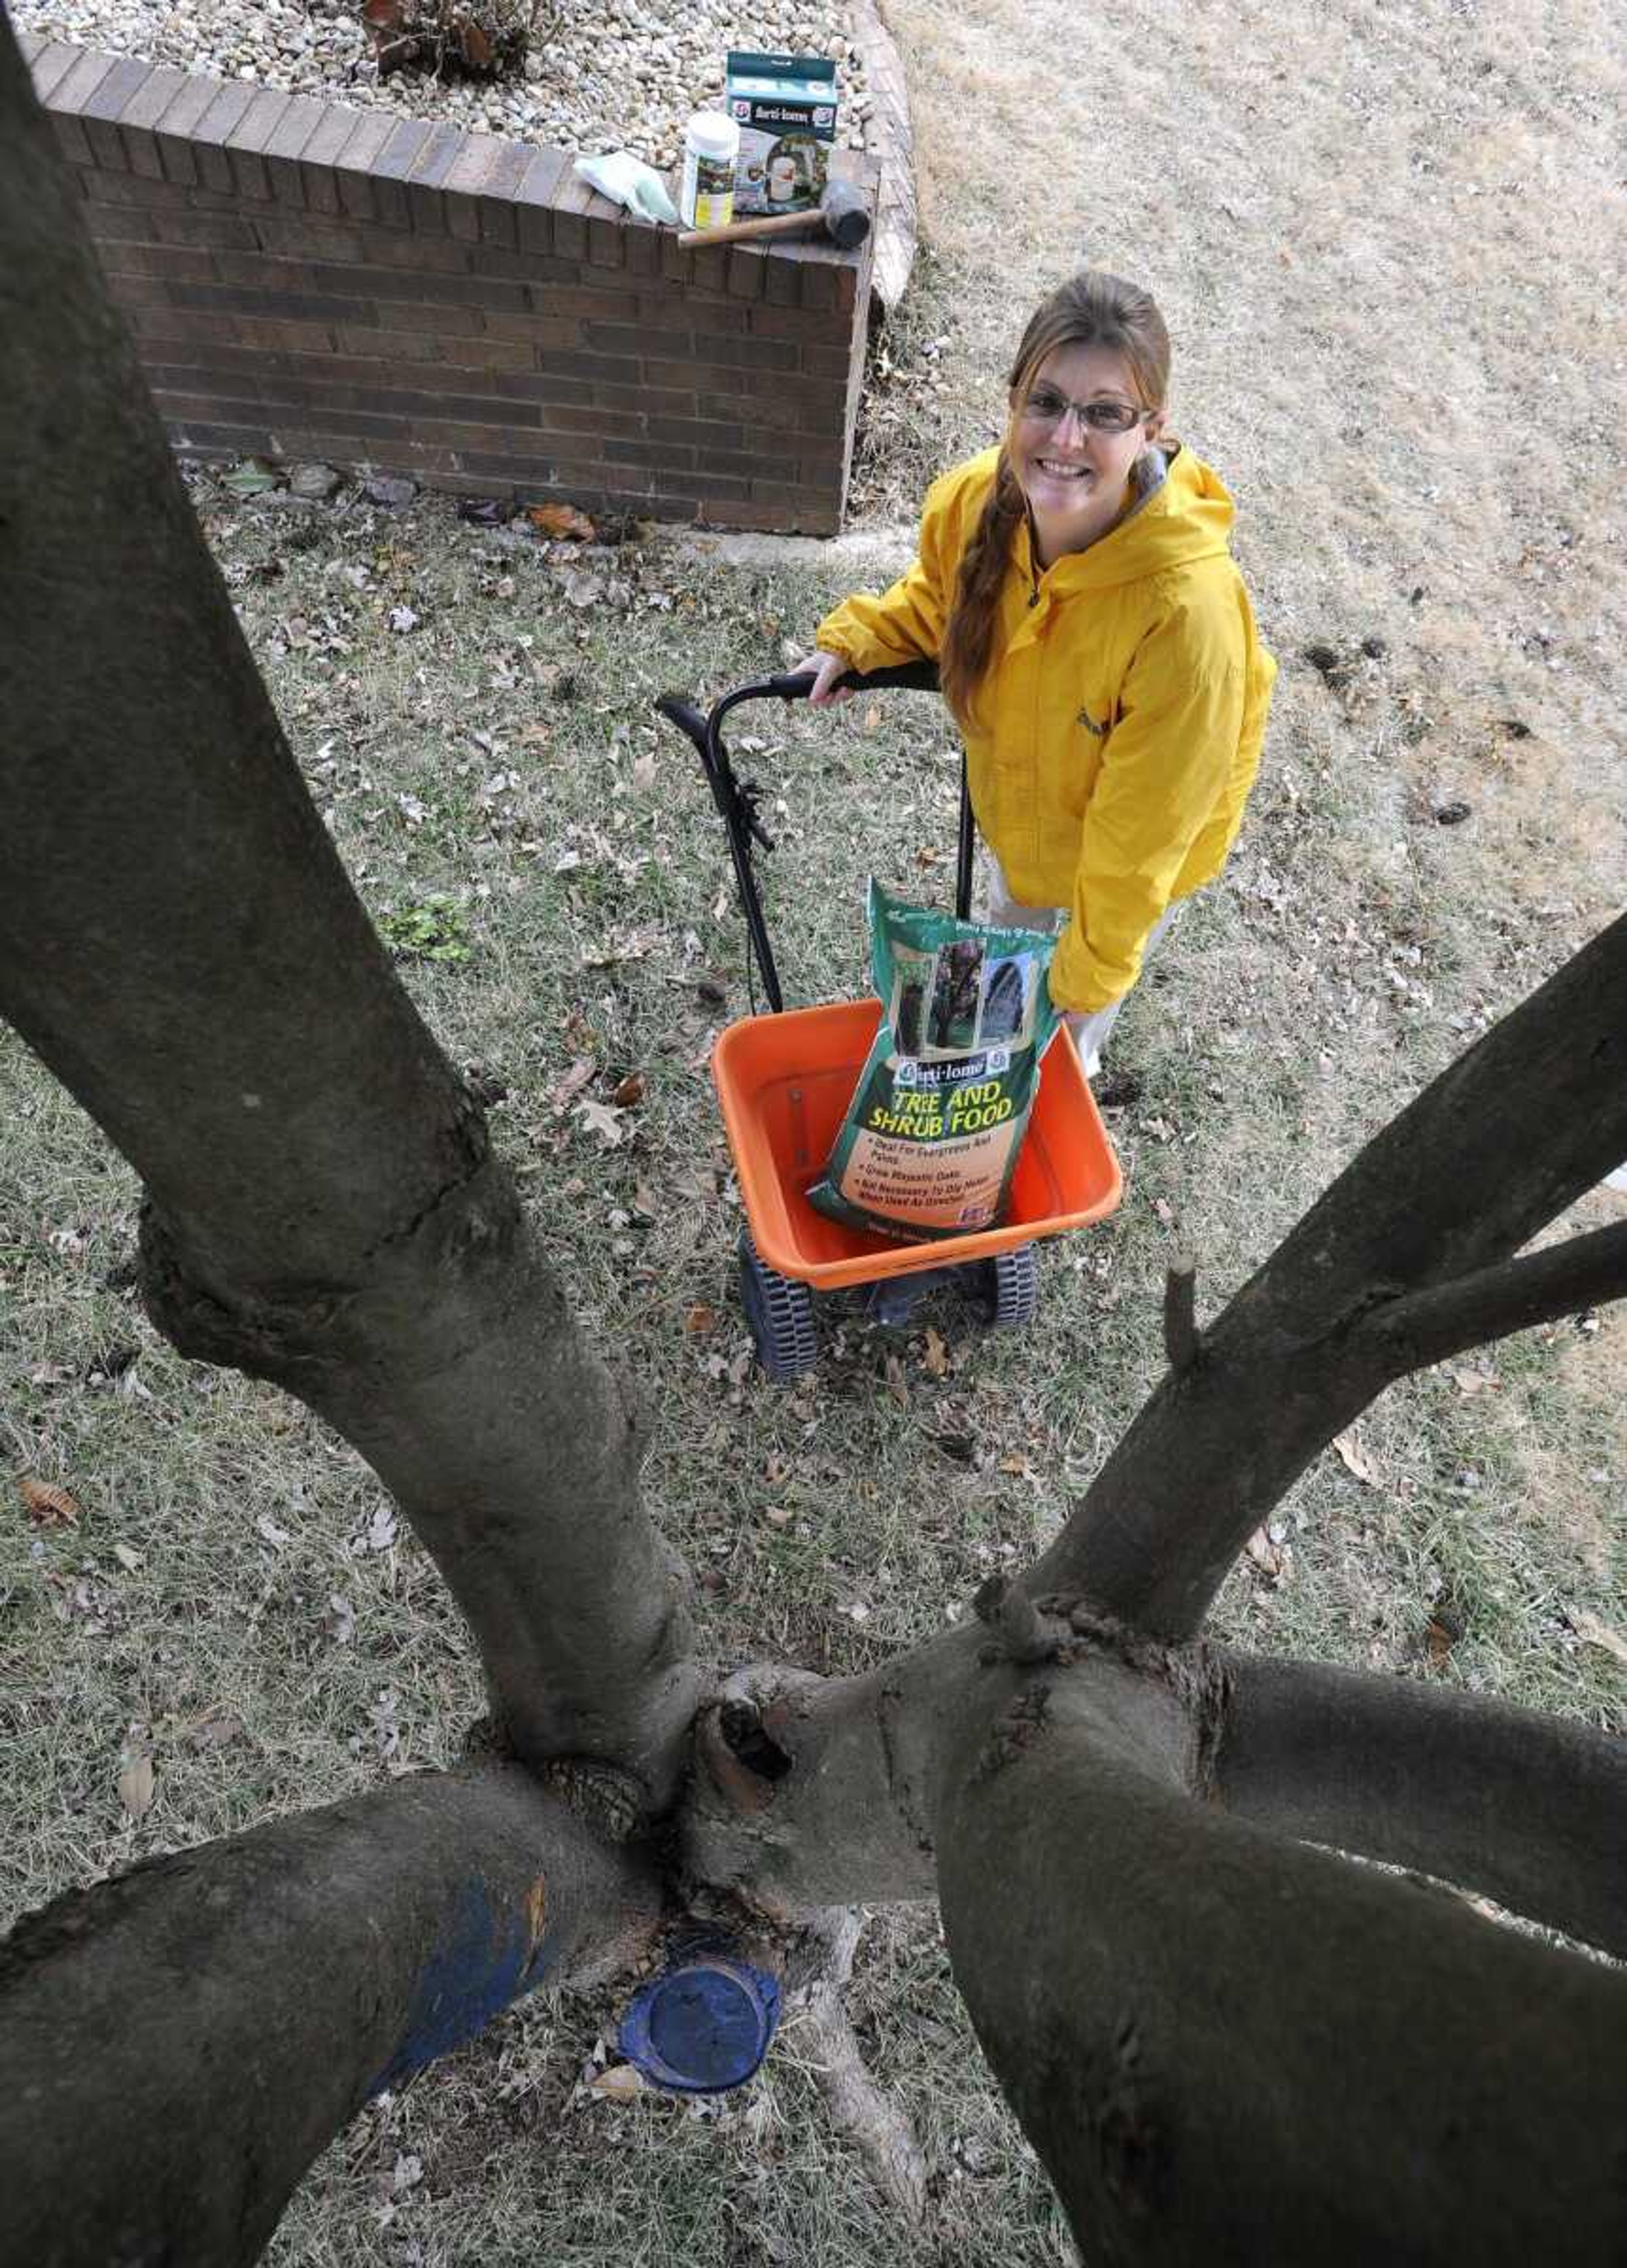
1093	309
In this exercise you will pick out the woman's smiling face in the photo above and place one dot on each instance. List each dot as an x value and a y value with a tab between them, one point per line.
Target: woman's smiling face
1073	473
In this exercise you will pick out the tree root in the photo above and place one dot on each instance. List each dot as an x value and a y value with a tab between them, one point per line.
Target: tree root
866	2114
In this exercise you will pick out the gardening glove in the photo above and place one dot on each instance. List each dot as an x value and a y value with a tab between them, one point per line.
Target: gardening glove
628	181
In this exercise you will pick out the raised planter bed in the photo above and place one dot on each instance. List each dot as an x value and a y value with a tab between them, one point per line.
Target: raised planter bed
308	281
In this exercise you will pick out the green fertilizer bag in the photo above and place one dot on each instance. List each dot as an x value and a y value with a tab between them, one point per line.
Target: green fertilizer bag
930	1138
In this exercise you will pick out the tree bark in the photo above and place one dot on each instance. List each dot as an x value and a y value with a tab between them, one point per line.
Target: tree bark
179	942
178	2044
1508	1137
1227	2047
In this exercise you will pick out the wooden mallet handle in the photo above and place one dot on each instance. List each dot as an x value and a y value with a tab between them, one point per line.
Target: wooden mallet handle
841	213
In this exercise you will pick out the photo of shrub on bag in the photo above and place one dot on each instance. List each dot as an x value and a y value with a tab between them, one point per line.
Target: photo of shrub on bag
932	1137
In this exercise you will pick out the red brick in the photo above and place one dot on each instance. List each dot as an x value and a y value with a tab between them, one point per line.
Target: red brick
483	353
698	432
582	302
828	361
535	195
249	138
51	65
460	189
781	286
353	173
222	439
572	200
439	322
132	292
387	172
174	263
694	312
746	273
284	338
535	330
141	113
321	154
409	346
165	325
172	134
472	292
419	255
606	231
769	321
124	224
486	441
494	201
642	247
212	131
615	368
310	236
68	98
297	307
677	265
589	417
653	454
426	205
287	145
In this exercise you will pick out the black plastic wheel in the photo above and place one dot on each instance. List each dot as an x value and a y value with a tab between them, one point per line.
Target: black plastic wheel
780	1313
1006	1291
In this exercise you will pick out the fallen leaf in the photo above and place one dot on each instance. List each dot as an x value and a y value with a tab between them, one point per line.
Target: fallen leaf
700	1319
1163	1209
895	1385
620	2084
1473	1382
776	1516
574	1081
643	772
1272	1559
936	1359
127	1557
1355	1459
339	1623
856	1611
602	1121
381	1530
215	1731
1593	1632
46	1504
870	720
629	1091
272	1533
135	1783
562	520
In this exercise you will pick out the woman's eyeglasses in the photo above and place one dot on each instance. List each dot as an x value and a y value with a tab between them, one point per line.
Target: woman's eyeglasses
1046	407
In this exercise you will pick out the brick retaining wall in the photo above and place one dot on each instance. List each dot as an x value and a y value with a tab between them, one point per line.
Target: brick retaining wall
307	280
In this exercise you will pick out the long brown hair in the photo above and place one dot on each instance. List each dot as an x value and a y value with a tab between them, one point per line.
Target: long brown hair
1093	309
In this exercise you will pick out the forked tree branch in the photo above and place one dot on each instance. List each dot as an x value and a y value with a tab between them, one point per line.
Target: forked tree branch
180	943
1226	2046
1503	1141
1529	1809
178	2044
1539	1287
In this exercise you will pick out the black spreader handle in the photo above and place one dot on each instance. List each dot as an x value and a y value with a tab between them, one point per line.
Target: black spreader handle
913	676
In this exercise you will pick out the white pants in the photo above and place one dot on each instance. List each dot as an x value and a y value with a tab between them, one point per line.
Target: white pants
1090	1026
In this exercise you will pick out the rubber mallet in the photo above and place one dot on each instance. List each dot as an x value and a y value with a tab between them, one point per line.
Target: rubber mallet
842	214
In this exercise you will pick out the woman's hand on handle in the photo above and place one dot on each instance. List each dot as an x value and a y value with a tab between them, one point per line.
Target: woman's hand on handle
825	669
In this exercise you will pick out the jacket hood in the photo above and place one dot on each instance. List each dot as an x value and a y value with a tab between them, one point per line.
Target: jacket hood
1187	517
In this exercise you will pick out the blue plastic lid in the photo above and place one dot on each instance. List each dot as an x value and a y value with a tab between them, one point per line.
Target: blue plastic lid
702	2027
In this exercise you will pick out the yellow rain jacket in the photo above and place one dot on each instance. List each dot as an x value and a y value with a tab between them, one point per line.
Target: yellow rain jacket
1120	722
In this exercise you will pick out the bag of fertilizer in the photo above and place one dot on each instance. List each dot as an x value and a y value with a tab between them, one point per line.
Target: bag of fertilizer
930	1138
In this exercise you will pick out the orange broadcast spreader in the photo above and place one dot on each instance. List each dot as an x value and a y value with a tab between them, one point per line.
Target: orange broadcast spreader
784	1081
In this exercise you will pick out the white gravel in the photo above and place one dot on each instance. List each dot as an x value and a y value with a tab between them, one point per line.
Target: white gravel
623	77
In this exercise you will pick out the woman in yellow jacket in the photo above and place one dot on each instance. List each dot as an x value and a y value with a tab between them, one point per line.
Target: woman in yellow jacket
1094	641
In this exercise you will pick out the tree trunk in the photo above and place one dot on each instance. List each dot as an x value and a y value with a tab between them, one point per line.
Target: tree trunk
179	942
1228	2048
178	2044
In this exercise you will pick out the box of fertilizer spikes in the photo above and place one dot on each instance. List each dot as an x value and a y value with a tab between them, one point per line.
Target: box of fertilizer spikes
785	108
